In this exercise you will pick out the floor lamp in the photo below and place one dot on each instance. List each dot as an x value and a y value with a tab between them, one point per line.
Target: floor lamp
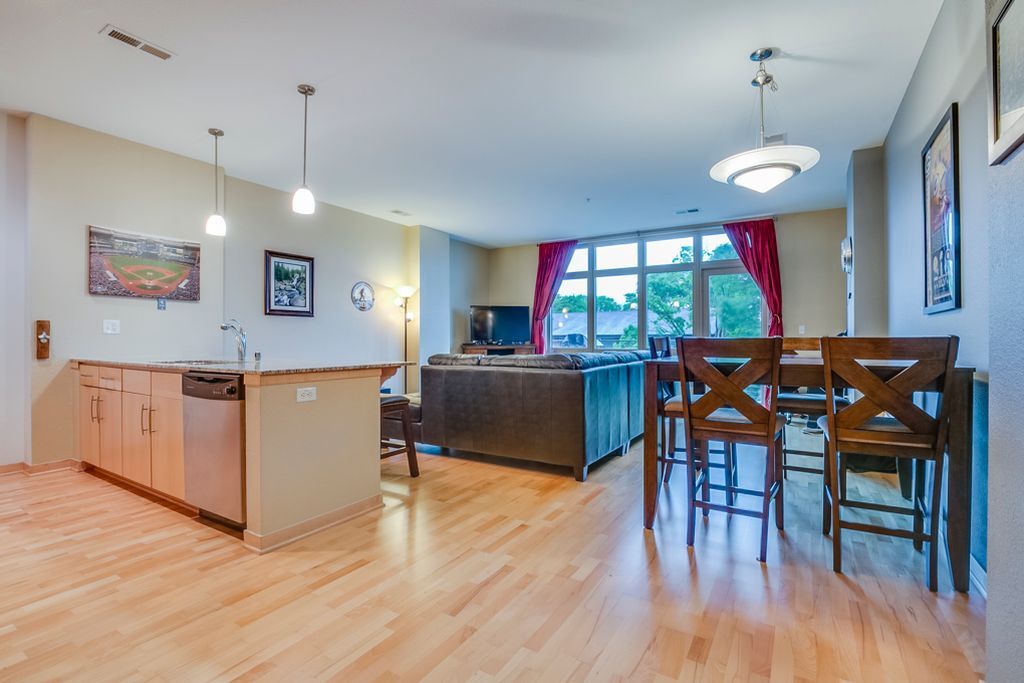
405	293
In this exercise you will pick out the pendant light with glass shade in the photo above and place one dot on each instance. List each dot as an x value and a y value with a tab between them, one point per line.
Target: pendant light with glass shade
765	167
303	201
215	224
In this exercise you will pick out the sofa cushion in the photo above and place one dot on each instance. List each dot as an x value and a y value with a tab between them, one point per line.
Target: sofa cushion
551	361
455	359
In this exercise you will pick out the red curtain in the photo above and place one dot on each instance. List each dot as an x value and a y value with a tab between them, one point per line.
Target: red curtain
552	262
755	243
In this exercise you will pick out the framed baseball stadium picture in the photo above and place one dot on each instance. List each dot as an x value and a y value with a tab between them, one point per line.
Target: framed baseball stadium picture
940	165
142	266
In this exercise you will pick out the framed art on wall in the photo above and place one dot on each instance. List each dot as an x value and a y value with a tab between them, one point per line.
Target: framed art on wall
1005	24
940	166
288	284
142	266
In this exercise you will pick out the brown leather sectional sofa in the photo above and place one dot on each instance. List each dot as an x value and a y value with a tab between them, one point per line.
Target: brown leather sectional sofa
560	409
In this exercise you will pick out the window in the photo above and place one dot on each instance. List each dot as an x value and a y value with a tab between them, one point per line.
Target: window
570	316
617	293
617	312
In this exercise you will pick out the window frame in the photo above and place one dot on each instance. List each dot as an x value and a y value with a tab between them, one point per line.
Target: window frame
701	271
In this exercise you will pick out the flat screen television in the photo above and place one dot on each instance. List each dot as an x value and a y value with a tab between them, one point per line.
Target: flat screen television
500	324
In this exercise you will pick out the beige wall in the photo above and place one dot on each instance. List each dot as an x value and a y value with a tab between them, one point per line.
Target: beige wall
15	336
513	275
813	284
469	286
77	178
347	247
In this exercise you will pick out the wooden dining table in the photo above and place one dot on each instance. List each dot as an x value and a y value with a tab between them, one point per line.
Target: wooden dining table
808	371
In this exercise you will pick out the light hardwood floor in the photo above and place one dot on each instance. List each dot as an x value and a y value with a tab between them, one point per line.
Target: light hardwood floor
473	572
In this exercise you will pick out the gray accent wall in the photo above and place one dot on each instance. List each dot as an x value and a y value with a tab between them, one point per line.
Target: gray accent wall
1006	501
866	307
951	69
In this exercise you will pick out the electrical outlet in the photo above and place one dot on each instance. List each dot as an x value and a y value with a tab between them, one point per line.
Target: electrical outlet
111	327
305	394
803	329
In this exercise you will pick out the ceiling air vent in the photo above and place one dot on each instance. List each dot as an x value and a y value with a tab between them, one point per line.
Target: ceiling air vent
114	32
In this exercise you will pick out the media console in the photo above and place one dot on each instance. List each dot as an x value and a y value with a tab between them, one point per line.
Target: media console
500	349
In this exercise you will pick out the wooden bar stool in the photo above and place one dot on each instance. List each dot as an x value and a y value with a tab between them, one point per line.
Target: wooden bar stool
794	402
904	431
396	406
727	413
661	348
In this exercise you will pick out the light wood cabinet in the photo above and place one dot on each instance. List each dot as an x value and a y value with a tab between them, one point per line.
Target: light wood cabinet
135	442
108	411
88	425
131	423
167	434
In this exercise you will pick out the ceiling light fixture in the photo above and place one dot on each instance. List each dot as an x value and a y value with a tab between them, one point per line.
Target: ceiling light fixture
303	201
764	167
215	224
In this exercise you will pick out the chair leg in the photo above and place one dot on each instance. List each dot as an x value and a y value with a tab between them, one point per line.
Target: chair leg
766	499
691	493
837	541
842	478
705	465
785	472
780	504
826	490
729	454
920	474
670	447
410	444
933	530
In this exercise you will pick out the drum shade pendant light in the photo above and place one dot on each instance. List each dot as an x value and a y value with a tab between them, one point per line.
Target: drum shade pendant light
215	224
765	167
303	201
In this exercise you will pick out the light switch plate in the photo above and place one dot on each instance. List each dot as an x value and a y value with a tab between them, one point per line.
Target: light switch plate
803	329
111	327
305	394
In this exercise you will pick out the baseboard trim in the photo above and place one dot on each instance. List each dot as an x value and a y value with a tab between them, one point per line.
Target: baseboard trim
42	468
979	578
264	543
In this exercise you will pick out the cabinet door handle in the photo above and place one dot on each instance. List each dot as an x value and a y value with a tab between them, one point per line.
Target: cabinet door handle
92	409
99	417
142	418
151	411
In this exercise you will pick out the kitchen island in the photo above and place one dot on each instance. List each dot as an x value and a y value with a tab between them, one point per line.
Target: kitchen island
311	436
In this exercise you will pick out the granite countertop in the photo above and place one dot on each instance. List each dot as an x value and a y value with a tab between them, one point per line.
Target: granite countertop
273	366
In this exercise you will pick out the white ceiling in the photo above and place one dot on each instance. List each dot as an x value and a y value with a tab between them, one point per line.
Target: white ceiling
494	120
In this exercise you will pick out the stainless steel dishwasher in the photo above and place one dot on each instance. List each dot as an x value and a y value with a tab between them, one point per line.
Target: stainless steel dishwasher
214	404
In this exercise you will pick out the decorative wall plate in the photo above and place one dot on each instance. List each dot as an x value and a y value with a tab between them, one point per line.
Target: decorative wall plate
362	296
846	255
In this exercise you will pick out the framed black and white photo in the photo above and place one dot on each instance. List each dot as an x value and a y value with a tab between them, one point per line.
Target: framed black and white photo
940	167
288	284
1005	23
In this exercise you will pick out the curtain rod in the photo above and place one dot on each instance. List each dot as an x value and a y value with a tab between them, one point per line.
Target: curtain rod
660	231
